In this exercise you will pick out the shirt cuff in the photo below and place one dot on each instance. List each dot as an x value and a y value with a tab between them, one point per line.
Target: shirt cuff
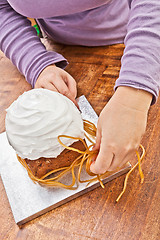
42	62
127	83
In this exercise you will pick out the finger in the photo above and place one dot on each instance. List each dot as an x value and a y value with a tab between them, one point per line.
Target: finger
120	159
96	147
98	139
71	84
128	158
61	85
63	89
72	87
50	86
77	105
103	160
116	161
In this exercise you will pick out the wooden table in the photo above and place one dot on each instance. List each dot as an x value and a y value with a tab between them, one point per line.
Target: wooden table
94	215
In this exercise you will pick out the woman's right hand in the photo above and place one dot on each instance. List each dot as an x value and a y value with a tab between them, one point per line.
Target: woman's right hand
57	79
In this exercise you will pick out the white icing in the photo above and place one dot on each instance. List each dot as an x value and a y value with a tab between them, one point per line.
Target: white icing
37	118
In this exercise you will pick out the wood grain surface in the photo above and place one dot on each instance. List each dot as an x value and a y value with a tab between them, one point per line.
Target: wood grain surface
94	215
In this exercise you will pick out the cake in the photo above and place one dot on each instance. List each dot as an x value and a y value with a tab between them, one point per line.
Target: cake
33	123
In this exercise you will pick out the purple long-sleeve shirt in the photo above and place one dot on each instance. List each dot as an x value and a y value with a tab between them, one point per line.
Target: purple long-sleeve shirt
87	23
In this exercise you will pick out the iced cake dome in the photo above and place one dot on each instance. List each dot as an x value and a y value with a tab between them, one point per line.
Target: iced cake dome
37	118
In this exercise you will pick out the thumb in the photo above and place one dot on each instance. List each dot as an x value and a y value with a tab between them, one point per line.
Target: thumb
103	160
72	85
98	139
96	147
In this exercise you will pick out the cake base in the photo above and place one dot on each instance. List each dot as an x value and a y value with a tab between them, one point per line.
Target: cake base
29	200
42	166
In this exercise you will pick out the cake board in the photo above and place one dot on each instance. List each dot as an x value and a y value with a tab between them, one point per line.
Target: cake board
29	200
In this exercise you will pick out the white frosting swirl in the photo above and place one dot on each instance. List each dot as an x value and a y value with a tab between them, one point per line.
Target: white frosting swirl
37	118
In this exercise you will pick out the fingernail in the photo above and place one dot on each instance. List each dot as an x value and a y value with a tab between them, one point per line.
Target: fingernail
92	161
77	106
92	167
74	101
93	147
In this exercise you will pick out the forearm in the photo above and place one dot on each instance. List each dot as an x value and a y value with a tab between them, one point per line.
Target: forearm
141	60
20	43
133	98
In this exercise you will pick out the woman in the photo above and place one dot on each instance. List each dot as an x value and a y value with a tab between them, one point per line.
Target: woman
122	122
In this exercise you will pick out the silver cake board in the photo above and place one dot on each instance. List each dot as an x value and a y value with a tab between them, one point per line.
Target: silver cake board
29	200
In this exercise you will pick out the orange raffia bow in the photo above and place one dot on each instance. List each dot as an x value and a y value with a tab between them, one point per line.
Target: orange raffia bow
85	156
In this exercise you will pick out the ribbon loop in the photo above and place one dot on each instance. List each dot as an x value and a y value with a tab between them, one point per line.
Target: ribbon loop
85	156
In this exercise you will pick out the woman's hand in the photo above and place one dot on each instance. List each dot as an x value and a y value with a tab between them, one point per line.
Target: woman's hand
121	126
57	79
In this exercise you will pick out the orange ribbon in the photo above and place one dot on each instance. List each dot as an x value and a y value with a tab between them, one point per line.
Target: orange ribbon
85	156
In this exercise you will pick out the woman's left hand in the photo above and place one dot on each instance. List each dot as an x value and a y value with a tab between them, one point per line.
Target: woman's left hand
121	126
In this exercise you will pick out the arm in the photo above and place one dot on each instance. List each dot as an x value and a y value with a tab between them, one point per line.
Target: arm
141	59
123	121
20	43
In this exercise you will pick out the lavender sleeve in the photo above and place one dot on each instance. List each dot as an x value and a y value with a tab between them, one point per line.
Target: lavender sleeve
20	43
141	60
